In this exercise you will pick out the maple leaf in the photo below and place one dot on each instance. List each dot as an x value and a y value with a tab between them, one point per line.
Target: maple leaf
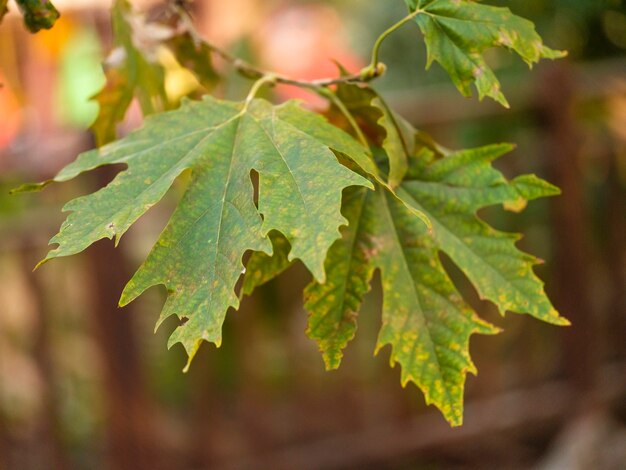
198	255
458	32
450	191
425	320
195	57
262	267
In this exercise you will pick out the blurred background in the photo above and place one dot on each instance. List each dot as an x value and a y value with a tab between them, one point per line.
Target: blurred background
86	385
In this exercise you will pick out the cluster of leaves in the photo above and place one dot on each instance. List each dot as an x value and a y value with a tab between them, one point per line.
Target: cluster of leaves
38	14
458	32
362	192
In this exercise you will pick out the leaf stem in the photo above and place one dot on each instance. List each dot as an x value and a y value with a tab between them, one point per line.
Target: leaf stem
264	80
330	96
374	63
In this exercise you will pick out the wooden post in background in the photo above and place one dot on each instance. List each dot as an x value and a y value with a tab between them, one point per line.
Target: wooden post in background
50	437
129	421
572	260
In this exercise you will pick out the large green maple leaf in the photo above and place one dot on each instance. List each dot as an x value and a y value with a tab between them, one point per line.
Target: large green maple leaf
198	255
425	320
458	32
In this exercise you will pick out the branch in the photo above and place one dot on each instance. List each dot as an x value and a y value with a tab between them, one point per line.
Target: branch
374	70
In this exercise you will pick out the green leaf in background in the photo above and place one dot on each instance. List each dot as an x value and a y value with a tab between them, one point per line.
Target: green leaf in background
425	320
262	268
196	57
131	73
38	14
381	125
80	76
198	255
135	69
458	32
335	304
399	142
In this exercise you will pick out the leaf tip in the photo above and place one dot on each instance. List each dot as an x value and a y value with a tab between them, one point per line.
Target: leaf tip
48	257
331	362
553	317
562	321
495	330
318	272
486	328
516	206
42	262
128	295
455	422
30	187
192	353
553	54
368	184
499	98
552	190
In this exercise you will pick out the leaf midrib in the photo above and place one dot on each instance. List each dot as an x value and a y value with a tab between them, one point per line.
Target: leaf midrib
431	342
289	171
221	218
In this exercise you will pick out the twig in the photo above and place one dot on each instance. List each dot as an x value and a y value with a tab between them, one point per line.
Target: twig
374	63
374	70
